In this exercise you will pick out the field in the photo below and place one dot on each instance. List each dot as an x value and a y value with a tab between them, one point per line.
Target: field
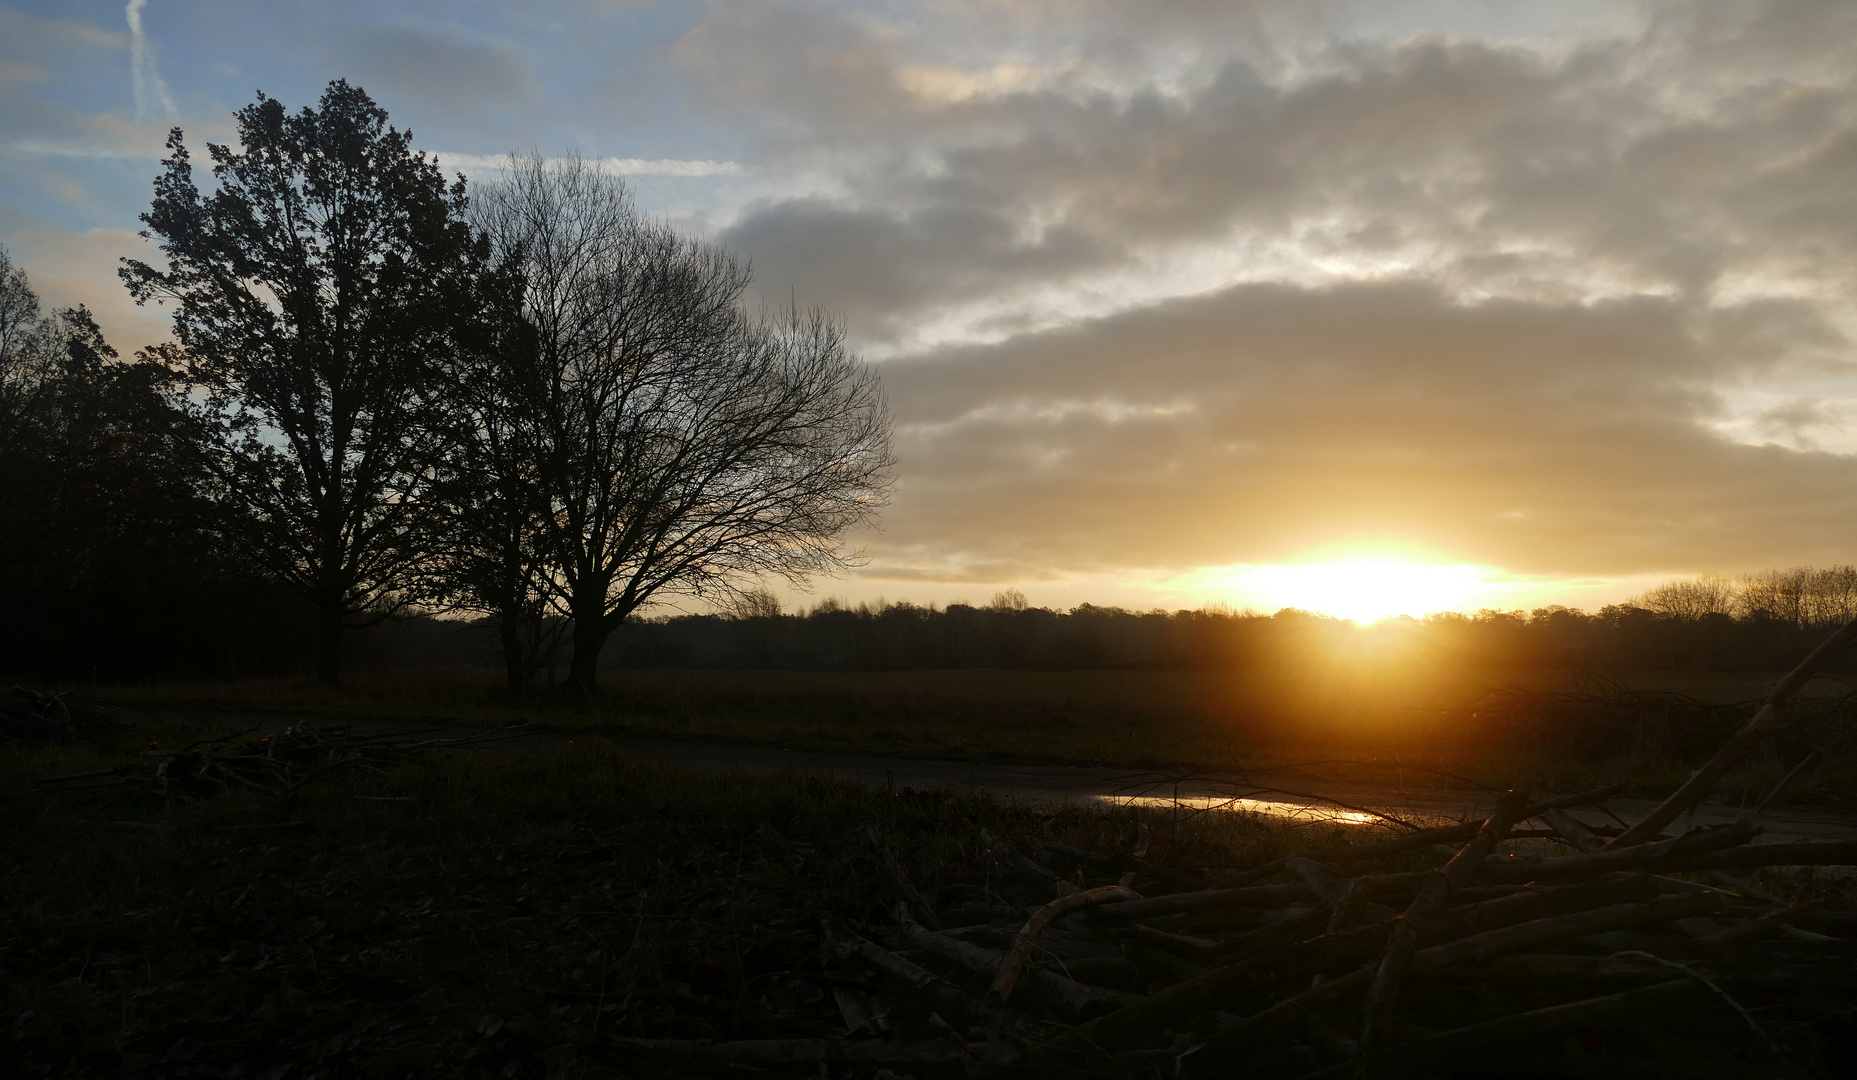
479	915
1500	728
490	915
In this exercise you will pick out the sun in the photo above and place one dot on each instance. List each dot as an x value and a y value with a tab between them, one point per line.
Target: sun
1366	589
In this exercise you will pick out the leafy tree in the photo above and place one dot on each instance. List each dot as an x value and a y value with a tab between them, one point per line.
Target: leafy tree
315	289
100	526
681	447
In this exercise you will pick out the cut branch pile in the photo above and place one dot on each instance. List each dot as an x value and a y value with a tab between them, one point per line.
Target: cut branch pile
269	765
1349	962
31	716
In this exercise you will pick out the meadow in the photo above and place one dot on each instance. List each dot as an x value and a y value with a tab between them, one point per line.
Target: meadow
1552	729
474	915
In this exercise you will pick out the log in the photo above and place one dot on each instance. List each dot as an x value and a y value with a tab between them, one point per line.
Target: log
943	994
1021	951
1539	903
1790	978
1391	973
1320	879
1674	854
1740	744
811	1051
1263	896
1607	1011
1475	948
1483	946
1178	943
1821	853
1570	828
1072	997
1348	907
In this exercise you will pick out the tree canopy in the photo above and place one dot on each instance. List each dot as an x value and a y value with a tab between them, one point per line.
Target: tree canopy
315	290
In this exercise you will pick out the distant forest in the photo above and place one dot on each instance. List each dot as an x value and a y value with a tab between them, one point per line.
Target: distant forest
229	629
1647	633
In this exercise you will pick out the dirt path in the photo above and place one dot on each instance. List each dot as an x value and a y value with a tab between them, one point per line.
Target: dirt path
1048	785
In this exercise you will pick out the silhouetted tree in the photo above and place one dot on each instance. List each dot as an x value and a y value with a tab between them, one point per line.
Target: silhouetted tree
486	530
683	447
315	287
101	538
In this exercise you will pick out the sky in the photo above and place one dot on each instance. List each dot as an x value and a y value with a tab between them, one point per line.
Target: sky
1489	303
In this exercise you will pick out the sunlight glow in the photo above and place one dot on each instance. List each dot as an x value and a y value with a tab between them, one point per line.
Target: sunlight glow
1368	589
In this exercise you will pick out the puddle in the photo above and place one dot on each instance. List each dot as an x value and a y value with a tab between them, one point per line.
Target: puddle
1328	815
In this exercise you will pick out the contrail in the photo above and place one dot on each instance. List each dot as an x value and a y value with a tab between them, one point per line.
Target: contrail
151	94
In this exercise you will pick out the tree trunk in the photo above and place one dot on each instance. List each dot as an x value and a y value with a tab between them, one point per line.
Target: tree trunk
329	643
515	659
583	670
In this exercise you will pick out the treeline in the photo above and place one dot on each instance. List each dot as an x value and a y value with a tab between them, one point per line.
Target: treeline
1803	595
388	394
1009	634
1005	634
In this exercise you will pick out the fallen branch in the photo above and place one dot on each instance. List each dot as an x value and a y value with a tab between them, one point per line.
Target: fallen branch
1021	951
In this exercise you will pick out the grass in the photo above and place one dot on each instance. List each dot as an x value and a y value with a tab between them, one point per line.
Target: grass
471	915
482	914
1166	719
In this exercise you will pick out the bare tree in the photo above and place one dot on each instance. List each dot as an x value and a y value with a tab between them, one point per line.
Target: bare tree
314	287
1694	598
682	447
485	528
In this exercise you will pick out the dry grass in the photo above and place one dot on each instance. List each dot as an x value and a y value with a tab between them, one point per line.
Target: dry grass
1195	719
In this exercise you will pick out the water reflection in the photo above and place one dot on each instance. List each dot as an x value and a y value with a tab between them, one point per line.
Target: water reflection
1328	815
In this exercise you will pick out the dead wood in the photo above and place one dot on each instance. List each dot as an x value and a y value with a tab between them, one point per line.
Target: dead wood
1263	896
1819	853
1073	998
1348	906
813	1051
1572	830
1609	1010
1021	951
1320	879
1676	854
943	994
923	909
1391	972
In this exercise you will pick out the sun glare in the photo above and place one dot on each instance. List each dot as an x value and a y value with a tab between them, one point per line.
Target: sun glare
1367	590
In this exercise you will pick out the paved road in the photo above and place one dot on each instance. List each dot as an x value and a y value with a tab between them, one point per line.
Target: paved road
1057	784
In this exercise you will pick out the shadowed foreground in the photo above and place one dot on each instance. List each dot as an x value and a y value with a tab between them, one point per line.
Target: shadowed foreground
579	913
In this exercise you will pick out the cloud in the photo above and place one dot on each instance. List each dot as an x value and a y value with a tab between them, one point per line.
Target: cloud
1262	422
1564	169
152	100
490	163
456	83
68	269
1569	289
